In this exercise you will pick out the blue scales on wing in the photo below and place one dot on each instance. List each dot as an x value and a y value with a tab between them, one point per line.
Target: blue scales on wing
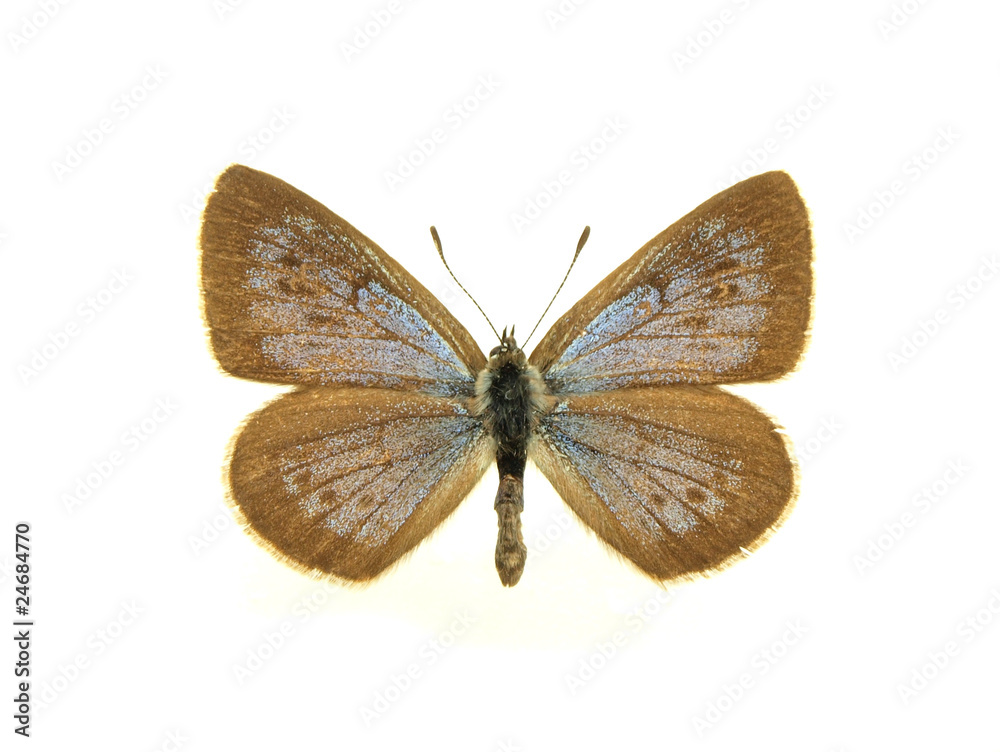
671	471
345	481
721	296
294	294
676	479
376	447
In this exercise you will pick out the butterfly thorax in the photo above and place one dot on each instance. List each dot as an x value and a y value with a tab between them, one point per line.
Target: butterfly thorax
511	398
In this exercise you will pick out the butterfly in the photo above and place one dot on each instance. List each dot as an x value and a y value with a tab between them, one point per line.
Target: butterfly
397	413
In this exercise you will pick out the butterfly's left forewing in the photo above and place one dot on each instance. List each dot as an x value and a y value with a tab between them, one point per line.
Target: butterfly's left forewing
295	294
346	481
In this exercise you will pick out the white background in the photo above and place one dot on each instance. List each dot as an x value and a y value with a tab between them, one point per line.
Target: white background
156	617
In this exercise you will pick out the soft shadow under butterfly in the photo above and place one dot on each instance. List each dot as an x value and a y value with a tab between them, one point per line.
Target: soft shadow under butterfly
398	413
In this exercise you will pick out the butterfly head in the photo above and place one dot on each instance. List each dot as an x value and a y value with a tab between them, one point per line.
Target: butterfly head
507	350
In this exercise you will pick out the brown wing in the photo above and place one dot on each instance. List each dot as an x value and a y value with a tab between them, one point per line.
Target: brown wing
346	481
294	294
721	296
676	479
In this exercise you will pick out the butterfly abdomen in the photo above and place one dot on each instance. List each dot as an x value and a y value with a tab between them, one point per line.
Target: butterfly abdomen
510	399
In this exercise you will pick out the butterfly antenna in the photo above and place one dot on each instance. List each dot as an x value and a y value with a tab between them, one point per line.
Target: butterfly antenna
437	244
579	247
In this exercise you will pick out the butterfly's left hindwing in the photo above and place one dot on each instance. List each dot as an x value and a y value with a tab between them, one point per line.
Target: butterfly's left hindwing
296	295
346	481
676	479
